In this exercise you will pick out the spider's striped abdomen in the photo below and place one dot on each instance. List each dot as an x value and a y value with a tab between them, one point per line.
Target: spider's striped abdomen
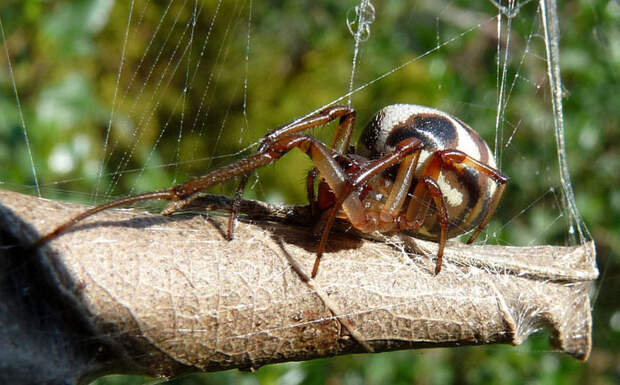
467	194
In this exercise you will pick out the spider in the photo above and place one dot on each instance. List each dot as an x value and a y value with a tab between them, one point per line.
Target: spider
416	169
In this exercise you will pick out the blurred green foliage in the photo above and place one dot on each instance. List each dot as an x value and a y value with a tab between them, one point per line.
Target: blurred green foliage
66	56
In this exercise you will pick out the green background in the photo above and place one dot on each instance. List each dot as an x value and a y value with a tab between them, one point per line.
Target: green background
65	58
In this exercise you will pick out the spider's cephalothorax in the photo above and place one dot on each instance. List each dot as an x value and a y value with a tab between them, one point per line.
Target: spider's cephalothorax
417	170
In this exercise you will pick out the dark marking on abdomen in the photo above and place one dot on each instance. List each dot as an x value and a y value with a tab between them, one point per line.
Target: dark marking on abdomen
436	132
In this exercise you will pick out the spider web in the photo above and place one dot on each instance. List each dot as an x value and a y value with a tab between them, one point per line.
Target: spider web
184	91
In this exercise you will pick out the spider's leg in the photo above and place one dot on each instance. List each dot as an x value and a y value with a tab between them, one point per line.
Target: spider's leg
417	209
442	214
310	179
164	194
326	115
400	188
403	149
418	204
186	192
342	138
458	160
234	208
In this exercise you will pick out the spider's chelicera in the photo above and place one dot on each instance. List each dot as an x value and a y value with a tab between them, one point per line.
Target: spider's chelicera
416	170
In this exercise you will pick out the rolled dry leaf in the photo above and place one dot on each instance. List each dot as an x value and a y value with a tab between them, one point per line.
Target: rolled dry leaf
133	291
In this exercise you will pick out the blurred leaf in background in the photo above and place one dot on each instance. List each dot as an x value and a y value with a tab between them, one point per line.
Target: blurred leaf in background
168	123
